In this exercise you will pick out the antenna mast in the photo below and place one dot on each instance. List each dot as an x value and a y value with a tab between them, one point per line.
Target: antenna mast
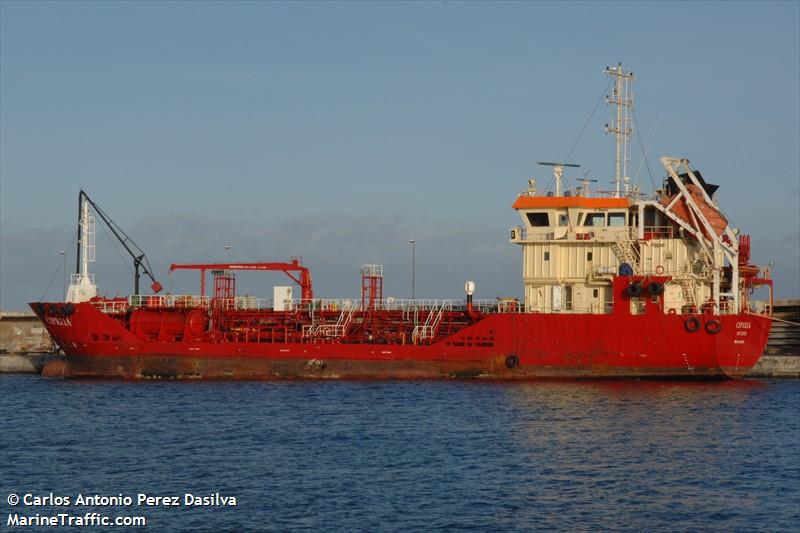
622	97
82	287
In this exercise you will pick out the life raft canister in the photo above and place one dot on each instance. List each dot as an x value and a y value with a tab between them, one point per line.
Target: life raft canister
692	324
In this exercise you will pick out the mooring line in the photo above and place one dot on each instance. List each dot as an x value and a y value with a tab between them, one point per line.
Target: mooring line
774	318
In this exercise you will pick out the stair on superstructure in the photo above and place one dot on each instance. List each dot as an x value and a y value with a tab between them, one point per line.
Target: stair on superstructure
625	250
688	287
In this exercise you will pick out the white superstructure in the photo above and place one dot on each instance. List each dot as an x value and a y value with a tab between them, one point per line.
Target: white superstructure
574	245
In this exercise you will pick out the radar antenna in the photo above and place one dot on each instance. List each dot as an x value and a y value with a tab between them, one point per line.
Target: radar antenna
558	172
583	190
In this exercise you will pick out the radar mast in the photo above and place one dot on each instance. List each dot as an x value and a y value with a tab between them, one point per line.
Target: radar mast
622	98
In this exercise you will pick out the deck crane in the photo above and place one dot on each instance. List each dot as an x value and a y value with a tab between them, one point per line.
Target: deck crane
303	278
140	262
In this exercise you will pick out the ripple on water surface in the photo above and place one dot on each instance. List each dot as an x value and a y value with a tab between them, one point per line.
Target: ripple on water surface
416	455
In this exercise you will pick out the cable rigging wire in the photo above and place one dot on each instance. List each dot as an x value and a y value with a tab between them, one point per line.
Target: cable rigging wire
125	238
116	247
60	265
583	130
644	151
586	125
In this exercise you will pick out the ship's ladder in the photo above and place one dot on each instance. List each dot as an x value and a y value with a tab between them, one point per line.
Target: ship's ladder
333	330
345	319
688	287
625	250
427	331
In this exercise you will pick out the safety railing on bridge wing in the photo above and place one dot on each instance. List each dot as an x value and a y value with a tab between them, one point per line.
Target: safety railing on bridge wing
519	233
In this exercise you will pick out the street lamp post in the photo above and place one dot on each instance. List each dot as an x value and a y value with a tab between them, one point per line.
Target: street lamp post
413	244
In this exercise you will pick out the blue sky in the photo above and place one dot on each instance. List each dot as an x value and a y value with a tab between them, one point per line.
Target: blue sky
338	131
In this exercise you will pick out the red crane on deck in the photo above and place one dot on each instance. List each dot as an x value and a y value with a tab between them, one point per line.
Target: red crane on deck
304	278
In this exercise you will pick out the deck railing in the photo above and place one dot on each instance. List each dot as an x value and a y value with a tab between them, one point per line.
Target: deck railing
658	232
348	307
246	303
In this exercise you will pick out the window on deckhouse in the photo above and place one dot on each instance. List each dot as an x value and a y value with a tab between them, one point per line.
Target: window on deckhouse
538	219
616	220
595	220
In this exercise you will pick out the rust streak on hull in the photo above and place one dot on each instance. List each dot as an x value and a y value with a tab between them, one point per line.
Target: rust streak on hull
243	368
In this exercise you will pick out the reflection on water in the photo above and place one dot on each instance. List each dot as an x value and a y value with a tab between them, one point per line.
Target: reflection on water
418	455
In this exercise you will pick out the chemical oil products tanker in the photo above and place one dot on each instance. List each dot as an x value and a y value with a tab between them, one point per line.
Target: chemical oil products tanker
615	285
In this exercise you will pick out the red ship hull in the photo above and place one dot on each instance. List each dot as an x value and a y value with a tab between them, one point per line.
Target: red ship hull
495	346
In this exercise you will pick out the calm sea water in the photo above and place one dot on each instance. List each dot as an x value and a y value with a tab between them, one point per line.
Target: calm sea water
412	456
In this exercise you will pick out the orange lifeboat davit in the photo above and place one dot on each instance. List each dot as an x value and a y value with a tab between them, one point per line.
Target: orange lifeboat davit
716	219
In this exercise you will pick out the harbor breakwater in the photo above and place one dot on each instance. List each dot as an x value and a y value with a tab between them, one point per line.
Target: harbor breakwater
25	344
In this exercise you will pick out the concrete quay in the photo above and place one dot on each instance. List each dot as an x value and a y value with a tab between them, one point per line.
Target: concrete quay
27	363
24	343
781	357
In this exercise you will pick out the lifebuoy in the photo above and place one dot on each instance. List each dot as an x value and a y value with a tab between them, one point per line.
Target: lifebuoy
512	361
671	311
659	270
692	324
634	290
655	289
713	326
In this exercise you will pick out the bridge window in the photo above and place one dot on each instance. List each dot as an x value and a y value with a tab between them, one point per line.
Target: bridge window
595	219
616	219
563	220
538	219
